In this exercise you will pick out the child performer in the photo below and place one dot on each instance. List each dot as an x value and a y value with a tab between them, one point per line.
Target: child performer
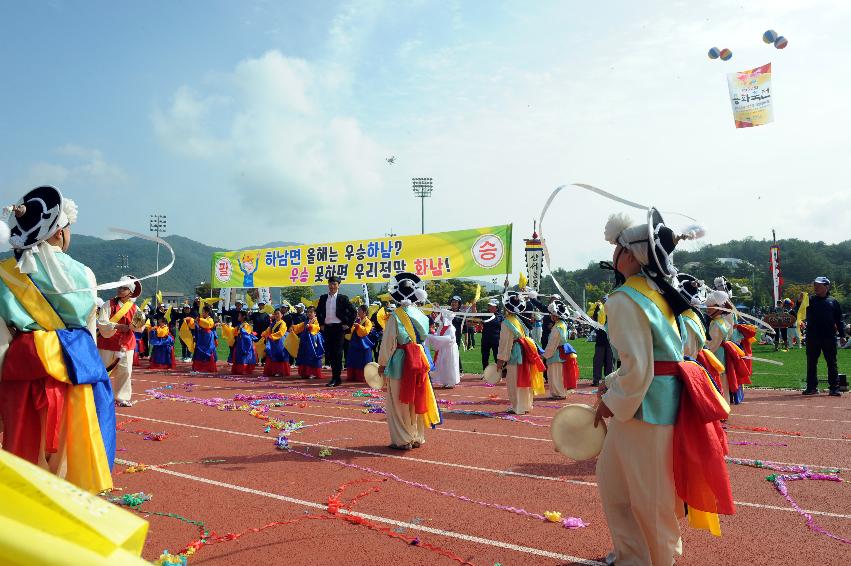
200	335
162	346
720	343
244	357
360	345
311	346
277	358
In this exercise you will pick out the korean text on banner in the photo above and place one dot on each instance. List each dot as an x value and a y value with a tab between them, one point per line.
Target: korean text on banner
461	253
750	96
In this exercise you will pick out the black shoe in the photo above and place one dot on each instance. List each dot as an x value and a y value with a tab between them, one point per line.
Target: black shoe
835	393
810	392
334	383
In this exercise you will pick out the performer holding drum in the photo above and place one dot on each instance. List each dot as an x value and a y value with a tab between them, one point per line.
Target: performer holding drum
658	450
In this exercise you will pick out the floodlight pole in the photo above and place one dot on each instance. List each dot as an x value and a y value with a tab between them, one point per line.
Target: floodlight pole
422	187
158	225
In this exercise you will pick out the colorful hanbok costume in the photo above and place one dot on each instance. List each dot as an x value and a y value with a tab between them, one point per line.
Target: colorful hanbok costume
117	348
524	367
360	349
243	355
665	444
162	347
445	347
562	366
199	334
277	358
410	403
736	372
311	348
56	402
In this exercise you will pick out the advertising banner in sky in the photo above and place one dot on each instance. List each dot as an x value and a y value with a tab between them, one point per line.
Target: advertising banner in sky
750	96
475	252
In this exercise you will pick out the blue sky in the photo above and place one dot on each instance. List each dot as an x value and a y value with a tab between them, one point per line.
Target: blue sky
255	121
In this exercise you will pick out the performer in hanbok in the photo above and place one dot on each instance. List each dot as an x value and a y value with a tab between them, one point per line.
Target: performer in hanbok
360	345
445	348
162	346
664	443
736	372
118	320
56	403
410	404
242	338
693	329
277	358
518	356
200	335
311	346
562	366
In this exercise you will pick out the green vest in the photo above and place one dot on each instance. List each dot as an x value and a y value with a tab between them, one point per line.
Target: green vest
562	330
662	400
419	322
73	308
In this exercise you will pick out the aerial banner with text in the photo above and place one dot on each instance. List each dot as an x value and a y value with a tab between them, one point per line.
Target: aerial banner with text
474	252
750	97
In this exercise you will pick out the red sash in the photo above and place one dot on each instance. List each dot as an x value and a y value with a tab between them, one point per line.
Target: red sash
442	332
569	369
734	365
700	444
530	358
748	332
26	379
414	380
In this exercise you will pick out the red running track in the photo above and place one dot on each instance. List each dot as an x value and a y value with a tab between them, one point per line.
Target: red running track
236	479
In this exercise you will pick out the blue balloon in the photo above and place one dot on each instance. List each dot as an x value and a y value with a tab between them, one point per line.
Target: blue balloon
714	53
770	36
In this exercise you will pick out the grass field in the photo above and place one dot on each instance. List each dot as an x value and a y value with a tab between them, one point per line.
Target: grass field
791	375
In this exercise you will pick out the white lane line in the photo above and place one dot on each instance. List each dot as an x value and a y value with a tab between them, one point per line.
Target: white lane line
378	454
730	431
475	468
375	518
790	418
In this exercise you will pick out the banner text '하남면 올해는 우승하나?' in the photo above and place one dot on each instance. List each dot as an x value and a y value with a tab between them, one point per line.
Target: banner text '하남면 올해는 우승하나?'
474	252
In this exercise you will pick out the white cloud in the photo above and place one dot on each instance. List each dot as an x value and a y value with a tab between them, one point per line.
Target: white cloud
82	167
282	145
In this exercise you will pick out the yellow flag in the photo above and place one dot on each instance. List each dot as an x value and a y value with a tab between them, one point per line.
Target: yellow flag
372	310
523	283
357	300
478	294
802	309
168	314
159	298
268	309
144	303
249	301
385	297
307	302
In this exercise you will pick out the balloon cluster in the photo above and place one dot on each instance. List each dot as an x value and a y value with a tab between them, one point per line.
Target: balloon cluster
779	41
769	36
725	54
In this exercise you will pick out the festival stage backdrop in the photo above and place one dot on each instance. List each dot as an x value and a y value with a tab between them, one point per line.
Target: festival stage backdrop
750	96
461	253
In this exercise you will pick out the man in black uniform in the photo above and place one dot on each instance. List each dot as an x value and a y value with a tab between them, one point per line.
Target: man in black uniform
824	321
184	313
490	333
335	315
260	321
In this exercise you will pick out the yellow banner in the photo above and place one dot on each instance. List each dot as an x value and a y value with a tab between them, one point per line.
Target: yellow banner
461	253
